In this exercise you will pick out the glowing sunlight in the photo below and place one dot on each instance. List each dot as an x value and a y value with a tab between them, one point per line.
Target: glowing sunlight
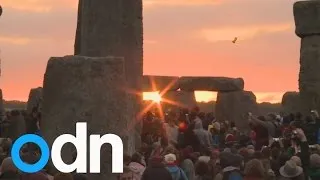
152	96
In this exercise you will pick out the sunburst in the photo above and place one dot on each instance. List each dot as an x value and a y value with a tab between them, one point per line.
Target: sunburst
156	101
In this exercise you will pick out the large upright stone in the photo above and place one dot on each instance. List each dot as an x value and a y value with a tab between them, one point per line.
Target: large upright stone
309	76
307	17
291	102
77	44
179	99
233	107
115	27
2	111
92	91
35	99
159	83
17	126
222	84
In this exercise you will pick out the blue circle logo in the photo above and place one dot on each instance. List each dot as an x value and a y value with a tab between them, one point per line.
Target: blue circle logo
15	153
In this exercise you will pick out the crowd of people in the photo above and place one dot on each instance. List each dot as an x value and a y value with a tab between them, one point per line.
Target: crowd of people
192	145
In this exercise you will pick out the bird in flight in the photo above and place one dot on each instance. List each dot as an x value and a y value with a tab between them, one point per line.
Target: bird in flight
235	39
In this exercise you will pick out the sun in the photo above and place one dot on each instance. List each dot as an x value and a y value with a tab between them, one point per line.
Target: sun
153	96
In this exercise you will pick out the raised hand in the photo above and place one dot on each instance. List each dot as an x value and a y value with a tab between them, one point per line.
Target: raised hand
301	135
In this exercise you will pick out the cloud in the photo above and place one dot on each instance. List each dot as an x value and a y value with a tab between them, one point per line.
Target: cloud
242	32
205	96
156	3
177	33
14	40
272	97
45	6
39	6
57	24
145	41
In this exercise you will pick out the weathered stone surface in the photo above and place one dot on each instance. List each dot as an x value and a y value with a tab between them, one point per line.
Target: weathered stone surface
159	83
2	111
77	44
17	125
306	16
35	99
309	76
179	99
92	91
115	27
291	102
221	84
233	106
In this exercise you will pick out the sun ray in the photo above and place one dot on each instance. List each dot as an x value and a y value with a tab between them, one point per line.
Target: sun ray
168	87
171	102
153	84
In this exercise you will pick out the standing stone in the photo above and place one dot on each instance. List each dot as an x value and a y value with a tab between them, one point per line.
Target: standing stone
233	107
221	84
306	15
179	99
77	44
115	27
35	99
92	91
2	111
17	126
291	102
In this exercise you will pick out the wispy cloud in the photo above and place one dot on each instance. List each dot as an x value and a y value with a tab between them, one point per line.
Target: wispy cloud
40	6
154	3
150	41
205	96
15	40
272	97
243	33
38	29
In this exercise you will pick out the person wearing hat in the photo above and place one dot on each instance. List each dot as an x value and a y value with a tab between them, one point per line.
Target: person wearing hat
314	170
297	160
291	171
176	172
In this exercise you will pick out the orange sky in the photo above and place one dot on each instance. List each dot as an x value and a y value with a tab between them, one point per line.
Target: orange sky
182	37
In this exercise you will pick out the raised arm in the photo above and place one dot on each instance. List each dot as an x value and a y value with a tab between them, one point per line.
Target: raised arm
257	121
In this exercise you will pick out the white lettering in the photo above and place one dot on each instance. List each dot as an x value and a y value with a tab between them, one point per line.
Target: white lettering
80	142
117	152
